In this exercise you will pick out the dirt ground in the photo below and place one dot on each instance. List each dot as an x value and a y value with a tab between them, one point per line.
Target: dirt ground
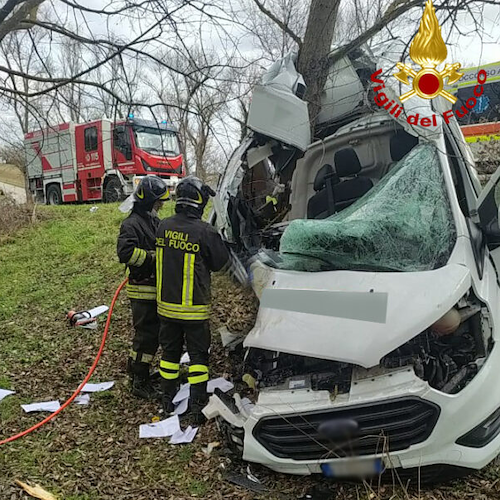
94	452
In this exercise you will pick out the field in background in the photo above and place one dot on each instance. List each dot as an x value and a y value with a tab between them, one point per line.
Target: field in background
11	175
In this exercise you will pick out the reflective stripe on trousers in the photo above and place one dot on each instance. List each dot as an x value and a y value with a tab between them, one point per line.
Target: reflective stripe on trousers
169	370
198	374
141	357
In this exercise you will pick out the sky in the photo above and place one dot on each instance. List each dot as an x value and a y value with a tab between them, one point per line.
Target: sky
469	47
474	49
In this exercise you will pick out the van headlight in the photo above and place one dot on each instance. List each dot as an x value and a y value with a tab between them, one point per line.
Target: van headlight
484	433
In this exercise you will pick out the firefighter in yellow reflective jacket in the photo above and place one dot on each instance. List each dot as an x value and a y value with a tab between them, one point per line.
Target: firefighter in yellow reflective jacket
136	249
187	250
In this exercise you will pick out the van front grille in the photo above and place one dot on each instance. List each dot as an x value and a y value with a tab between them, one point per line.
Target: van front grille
382	427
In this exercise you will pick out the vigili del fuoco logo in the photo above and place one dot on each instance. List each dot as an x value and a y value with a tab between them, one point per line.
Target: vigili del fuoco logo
428	51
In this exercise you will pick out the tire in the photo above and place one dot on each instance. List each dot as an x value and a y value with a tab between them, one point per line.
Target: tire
113	191
53	195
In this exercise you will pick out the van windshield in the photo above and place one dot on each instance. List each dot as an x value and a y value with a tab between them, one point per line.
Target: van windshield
404	223
156	141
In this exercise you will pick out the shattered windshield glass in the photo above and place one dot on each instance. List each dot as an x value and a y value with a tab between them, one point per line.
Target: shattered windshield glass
404	223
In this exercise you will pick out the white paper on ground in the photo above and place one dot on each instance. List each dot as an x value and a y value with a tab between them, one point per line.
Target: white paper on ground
182	437
182	407
51	406
220	383
185	360
164	428
103	386
5	392
182	394
82	399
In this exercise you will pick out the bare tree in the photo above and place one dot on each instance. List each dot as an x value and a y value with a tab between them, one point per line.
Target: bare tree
17	14
314	53
351	24
15	48
196	104
154	26
277	27
70	59
99	72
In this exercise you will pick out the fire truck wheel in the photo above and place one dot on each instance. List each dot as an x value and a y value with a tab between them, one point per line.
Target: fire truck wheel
54	196
113	191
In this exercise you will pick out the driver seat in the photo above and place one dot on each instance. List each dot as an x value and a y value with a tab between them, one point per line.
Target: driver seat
338	187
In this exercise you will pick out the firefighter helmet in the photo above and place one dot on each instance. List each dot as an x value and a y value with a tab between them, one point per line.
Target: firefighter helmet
193	192
150	189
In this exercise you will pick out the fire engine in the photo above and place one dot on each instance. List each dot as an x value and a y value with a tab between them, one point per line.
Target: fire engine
100	159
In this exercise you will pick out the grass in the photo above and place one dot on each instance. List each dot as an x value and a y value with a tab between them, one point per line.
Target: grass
93	452
68	261
45	269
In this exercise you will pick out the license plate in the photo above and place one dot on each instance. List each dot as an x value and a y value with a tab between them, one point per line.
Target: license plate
354	468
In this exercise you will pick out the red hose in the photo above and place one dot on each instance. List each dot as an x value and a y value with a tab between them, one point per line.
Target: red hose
85	380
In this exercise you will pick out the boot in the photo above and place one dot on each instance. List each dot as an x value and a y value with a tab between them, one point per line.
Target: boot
167	405
143	388
198	401
169	389
141	385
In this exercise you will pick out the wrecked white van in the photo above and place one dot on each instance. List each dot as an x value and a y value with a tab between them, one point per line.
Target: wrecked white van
375	258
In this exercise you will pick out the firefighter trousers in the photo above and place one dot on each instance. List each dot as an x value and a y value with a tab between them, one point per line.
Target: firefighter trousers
146	340
173	333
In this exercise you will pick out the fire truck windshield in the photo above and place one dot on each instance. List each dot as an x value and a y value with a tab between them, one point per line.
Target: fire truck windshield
156	141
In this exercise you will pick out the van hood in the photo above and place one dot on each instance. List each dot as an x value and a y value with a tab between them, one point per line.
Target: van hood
351	316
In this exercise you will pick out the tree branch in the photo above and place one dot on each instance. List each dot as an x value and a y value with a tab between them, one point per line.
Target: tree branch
18	17
7	9
129	6
280	23
396	9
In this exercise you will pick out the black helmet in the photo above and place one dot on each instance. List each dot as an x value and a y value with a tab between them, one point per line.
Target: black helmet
150	189
193	192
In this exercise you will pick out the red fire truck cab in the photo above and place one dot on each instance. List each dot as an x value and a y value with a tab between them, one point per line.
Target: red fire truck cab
100	160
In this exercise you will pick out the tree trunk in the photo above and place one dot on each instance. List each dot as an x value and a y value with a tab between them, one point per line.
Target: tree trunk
25	128
313	57
15	21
